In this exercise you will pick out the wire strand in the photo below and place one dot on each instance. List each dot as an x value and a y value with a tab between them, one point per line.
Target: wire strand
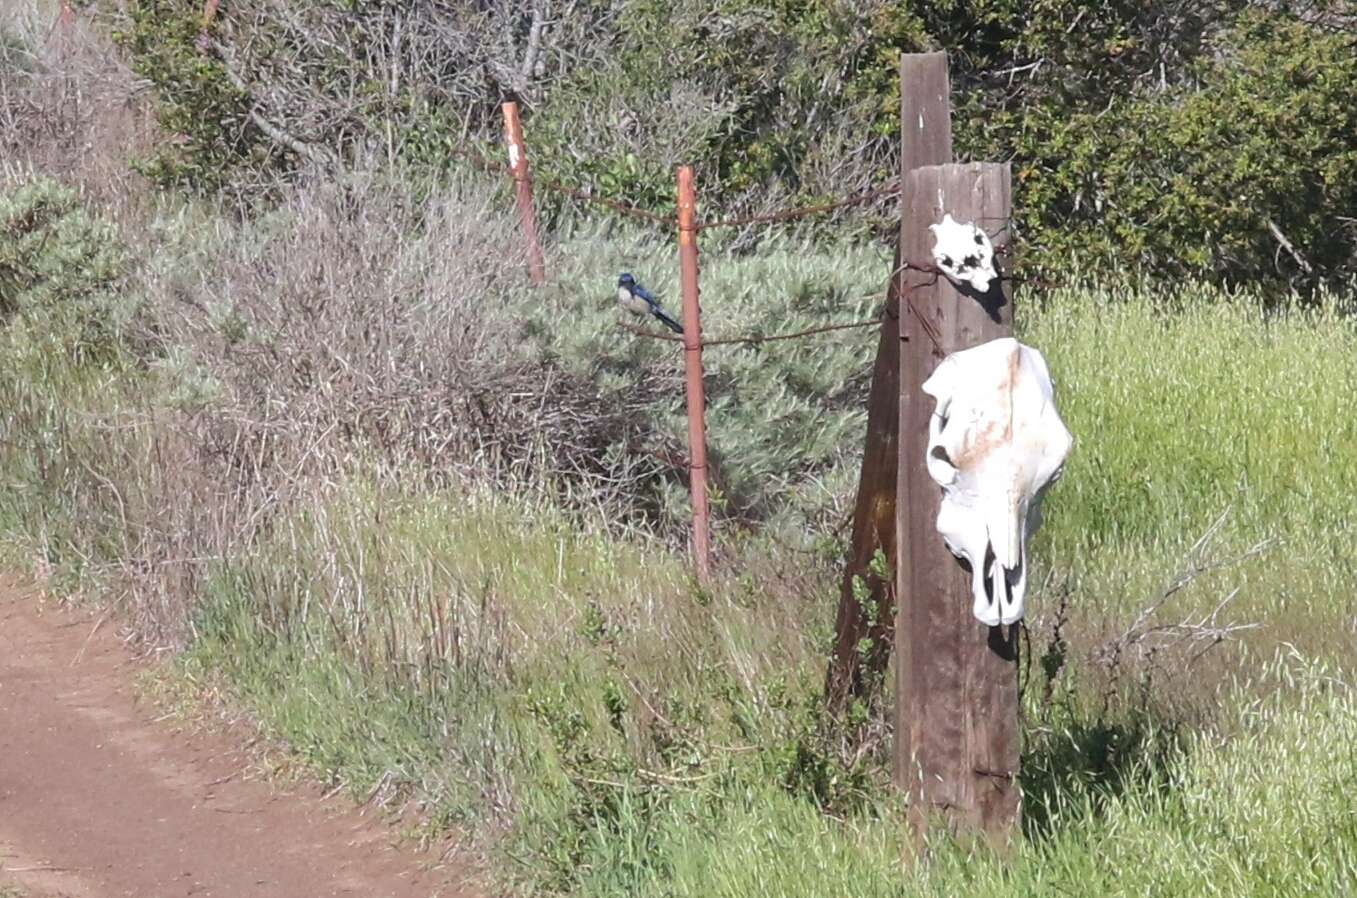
802	211
752	340
616	206
486	164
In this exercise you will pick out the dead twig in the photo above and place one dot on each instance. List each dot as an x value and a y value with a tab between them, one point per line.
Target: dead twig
1289	247
1203	632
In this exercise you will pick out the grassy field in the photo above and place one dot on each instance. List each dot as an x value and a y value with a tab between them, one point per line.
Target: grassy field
424	524
541	674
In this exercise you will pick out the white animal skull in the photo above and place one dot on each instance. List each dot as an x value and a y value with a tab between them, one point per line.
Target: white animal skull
964	253
995	442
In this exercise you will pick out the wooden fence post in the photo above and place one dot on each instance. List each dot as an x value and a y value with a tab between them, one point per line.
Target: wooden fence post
527	215
926	139
692	356
957	734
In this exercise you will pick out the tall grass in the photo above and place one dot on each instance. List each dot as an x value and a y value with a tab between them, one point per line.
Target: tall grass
1189	404
634	735
630	735
1261	814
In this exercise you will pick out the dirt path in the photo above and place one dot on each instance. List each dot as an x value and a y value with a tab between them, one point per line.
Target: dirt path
100	799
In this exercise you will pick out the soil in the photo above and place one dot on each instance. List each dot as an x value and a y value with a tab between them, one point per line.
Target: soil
103	794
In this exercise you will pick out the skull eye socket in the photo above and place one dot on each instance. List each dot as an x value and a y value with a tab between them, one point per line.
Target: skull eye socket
986	567
979	239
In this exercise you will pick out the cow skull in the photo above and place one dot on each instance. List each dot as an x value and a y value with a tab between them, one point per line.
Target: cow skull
964	253
995	442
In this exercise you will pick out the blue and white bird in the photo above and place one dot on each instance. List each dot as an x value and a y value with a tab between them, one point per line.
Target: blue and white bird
638	300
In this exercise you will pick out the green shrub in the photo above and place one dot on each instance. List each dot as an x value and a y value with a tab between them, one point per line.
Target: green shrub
1166	141
1193	179
60	269
213	143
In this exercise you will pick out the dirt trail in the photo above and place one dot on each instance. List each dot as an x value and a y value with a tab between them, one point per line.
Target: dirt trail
100	799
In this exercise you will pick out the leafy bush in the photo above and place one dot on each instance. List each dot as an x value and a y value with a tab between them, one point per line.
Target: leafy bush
213	143
60	269
1207	177
1170	139
784	418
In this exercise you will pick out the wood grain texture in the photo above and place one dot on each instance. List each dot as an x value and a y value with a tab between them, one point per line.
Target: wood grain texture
926	105
957	736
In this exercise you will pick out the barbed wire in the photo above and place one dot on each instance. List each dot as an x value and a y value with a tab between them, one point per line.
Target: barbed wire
798	212
617	206
486	164
789	214
492	166
753	339
478	160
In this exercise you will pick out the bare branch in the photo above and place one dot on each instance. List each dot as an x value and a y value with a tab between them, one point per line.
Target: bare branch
276	133
1290	249
534	46
1206	630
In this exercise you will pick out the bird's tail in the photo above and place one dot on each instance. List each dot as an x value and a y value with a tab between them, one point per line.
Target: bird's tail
669	322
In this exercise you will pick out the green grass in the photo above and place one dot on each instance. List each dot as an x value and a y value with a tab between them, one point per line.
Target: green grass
1187	406
716	783
636	736
1265	813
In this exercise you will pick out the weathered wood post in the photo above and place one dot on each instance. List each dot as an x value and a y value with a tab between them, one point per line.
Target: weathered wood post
926	139
696	389
527	214
957	736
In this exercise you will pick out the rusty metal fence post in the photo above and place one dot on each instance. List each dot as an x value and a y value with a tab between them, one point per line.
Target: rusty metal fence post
692	356
63	23
527	215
